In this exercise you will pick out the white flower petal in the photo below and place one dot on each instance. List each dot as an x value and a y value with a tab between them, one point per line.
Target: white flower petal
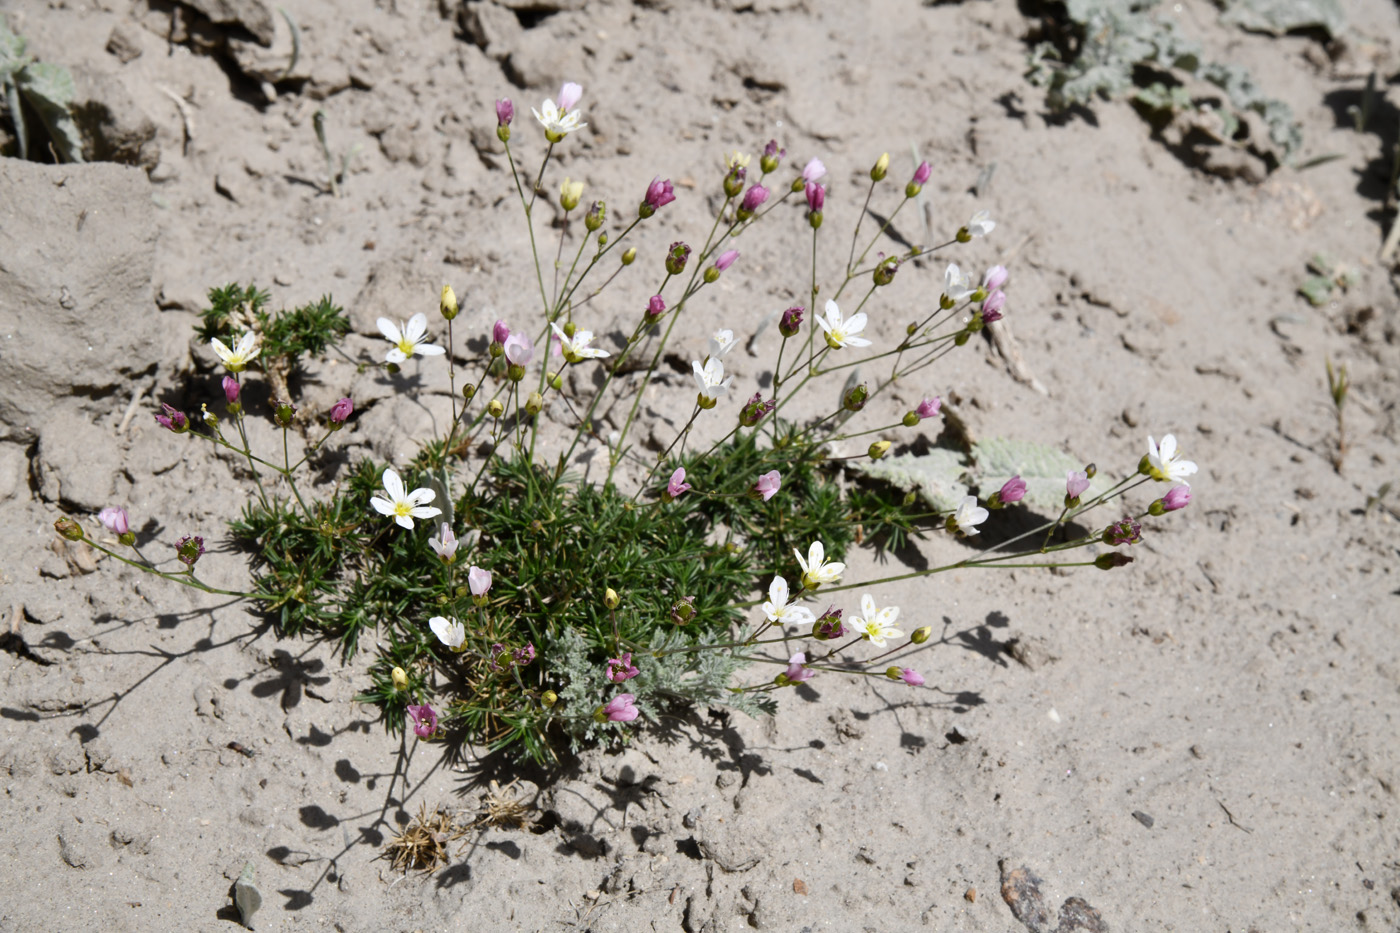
224	352
425	511
395	356
417	327
382	506
404	521
430	349
778	591
393	485
389	329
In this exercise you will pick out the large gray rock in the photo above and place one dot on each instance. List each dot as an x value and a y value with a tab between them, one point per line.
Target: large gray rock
253	15
77	314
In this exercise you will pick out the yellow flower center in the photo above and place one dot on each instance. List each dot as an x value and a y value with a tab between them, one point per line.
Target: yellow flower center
403	509
406	346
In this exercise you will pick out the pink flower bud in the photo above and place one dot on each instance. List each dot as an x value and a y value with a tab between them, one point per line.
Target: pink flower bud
796	671
754	198
911	677
772	151
995	278
115	519
1178	497
816	197
992	305
656	306
677	485
1076	481
620	708
768	484
659	194
929	407
189	550
568	96
726	259
812	171
922	173
341	410
1013	490
519	349
500	332
505	111
425	720
231	390
479	581
791	321
173	419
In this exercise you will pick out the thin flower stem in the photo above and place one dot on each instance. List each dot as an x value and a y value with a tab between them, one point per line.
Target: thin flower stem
667	452
182	577
287	473
855	234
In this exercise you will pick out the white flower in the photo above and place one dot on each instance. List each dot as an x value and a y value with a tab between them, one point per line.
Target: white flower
778	610
449	631
404	507
710	378
981	224
816	570
446	545
721	342
556	122
957	285
841	333
412	339
1166	468
876	625
969	515
237	359
576	348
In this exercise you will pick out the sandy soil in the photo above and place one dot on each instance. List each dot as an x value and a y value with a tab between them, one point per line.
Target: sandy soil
1202	742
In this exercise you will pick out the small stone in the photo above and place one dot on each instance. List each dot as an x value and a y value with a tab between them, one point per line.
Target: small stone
691	818
799	887
1143	818
124	42
971	895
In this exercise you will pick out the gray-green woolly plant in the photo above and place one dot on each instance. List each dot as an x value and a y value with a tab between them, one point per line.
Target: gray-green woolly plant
42	88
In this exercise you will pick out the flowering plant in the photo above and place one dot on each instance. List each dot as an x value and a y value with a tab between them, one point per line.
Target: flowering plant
513	601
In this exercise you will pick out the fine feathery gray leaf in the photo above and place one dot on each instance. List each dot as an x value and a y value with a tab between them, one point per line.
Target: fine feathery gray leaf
49	90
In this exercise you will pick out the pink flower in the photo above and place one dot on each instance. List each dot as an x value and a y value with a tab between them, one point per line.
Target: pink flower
816	197
929	407
791	321
425	720
500	332
922	173
659	194
1076	481
726	259
828	625
992	305
1178	497
505	111
569	95
519	349
995	278
811	172
231	390
1013	490
677	484
620	708
796	671
478	581
115	520
754	198
768	484
341	410
173	420
656	306
523	656
911	677
621	669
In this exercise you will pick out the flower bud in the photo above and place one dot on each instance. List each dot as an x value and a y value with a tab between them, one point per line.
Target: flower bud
595	217
772	155
533	403
340	411
880	168
705	402
569	193
916	184
676	258
1111	560
1122	532
854	400
734	181
755	410
683	610
448	303
515	372
630	256
894	673
828	625
548	699
400	678
711	275
283	411
69	529
726	259
659	194
611	599
878	449
791	321
495	409
173	420
603	238
885	270
554	381
505	111
656	306
753	199
921	634
910	498
189	550
469	391
911	419
232	389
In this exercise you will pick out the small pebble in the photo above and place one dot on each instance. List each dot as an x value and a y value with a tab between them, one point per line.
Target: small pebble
1143	818
971	895
799	887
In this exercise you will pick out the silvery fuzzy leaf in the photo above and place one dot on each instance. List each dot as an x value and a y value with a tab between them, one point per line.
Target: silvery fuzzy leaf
937	476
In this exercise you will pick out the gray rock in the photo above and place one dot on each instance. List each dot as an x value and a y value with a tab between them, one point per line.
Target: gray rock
493	28
269	61
125	42
77	248
732	847
77	463
253	15
114	126
75	851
